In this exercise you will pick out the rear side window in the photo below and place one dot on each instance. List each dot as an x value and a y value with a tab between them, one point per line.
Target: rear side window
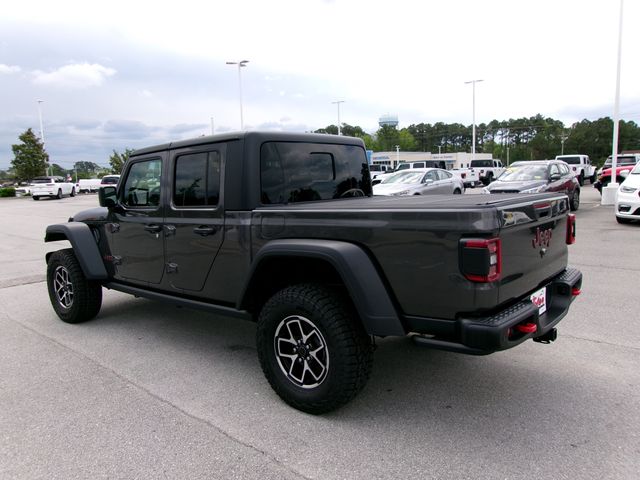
197	180
303	172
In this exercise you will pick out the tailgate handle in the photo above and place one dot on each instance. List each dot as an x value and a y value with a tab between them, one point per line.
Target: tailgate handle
542	210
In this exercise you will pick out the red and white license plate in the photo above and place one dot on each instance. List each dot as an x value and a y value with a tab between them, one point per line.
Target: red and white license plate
539	299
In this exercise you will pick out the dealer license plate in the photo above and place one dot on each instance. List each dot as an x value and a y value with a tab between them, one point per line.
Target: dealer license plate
539	299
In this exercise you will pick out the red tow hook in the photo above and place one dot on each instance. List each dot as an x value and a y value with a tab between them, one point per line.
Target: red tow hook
527	327
575	291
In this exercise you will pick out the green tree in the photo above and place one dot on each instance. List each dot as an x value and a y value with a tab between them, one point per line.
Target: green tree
117	160
31	159
86	169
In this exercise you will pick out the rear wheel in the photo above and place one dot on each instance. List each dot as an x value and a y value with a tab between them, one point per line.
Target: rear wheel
74	298
574	203
73	192
581	178
59	194
36	198
457	191
312	348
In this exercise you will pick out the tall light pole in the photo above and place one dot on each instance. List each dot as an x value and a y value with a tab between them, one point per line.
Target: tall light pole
609	192
473	141
41	127
338	102
240	64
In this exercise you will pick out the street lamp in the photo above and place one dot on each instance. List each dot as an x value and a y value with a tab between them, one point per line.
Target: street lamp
240	64
473	144
41	127
338	102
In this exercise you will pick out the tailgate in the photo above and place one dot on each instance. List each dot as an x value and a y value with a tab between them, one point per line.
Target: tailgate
534	247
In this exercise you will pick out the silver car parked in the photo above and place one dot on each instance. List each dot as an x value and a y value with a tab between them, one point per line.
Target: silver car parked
423	181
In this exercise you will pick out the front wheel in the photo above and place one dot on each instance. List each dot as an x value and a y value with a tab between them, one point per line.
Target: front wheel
457	191
312	348
74	298
73	192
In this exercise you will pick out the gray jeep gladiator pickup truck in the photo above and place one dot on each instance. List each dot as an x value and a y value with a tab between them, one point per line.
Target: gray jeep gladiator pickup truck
283	230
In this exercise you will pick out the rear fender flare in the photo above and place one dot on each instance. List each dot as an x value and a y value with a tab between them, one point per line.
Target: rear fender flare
360	277
84	247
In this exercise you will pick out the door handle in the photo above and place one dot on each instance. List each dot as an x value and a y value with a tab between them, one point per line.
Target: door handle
205	230
153	228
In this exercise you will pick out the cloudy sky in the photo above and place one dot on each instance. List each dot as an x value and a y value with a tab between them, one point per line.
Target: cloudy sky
127	74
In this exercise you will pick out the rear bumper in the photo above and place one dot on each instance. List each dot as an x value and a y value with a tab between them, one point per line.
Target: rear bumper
515	324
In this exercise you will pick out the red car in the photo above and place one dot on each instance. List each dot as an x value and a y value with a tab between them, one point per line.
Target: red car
624	163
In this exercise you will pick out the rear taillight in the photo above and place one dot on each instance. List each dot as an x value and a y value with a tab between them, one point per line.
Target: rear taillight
481	259
571	229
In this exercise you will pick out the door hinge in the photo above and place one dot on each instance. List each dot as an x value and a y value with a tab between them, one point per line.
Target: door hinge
172	267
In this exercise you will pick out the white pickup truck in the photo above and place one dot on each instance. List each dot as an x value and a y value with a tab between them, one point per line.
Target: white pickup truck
580	166
89	185
488	170
54	187
469	176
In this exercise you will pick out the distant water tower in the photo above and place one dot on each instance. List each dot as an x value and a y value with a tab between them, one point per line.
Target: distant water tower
388	120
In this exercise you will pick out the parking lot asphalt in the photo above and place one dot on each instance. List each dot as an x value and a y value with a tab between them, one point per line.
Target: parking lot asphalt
150	391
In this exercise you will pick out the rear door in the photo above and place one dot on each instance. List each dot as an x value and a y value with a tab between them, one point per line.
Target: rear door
194	223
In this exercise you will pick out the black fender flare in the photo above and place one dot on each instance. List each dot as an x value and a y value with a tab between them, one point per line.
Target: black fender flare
363	282
84	247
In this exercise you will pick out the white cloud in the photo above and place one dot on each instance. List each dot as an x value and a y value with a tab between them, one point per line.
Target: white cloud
81	75
146	93
8	69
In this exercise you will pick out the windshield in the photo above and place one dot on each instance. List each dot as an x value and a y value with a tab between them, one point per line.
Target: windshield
405	177
402	166
570	160
622	160
42	180
523	173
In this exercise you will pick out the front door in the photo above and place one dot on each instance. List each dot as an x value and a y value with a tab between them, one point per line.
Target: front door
135	230
194	223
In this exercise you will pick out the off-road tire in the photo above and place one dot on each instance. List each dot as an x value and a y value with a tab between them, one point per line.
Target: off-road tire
73	192
574	203
581	179
327	323
74	298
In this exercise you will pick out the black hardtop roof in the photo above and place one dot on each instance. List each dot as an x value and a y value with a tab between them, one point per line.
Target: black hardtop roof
254	136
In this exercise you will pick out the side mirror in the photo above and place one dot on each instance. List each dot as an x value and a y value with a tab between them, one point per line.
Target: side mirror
554	177
427	181
107	197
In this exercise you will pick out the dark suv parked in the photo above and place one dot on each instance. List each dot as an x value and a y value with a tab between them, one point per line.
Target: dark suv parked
538	176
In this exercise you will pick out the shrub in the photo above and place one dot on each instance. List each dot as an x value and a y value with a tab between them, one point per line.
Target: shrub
7	192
